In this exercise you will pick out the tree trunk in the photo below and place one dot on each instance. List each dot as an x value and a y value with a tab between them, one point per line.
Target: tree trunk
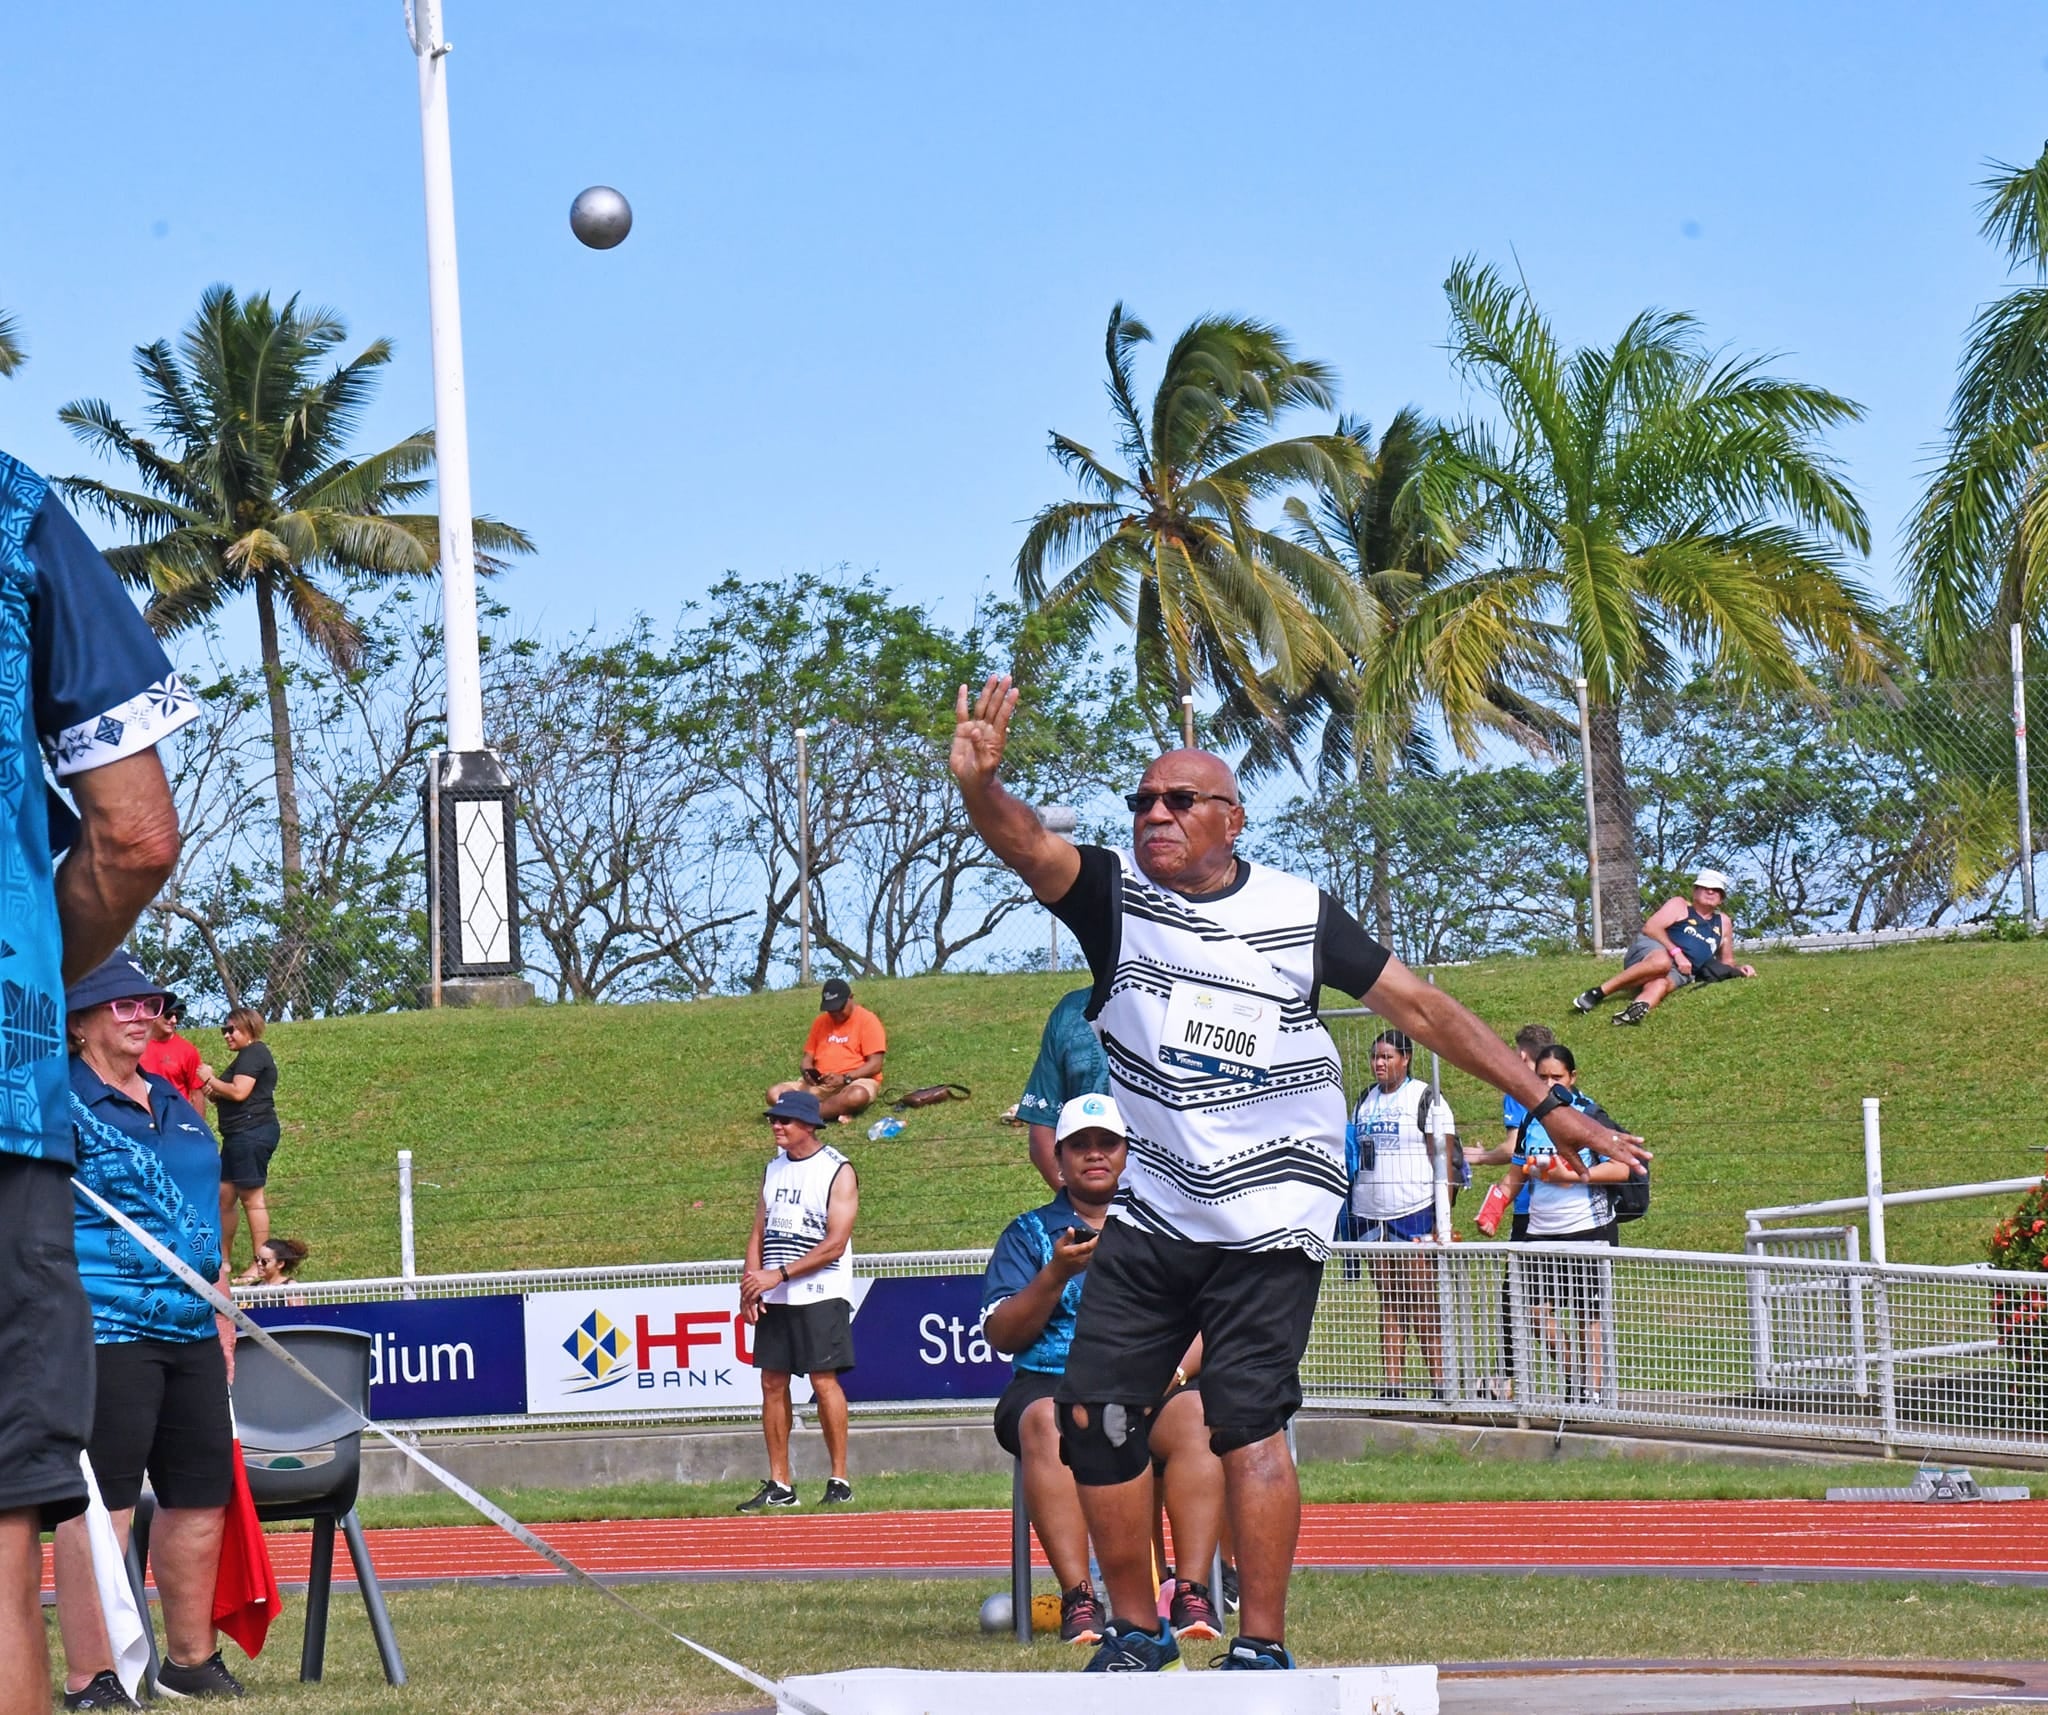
1614	829
288	954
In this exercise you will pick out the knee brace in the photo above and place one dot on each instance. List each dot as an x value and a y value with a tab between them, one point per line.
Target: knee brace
1105	1443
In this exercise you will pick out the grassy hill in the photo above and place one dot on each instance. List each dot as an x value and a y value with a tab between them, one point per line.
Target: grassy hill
562	1136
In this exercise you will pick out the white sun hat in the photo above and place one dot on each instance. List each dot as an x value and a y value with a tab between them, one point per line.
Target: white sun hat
1711	878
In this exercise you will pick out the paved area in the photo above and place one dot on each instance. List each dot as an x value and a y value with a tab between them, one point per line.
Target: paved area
1725	1539
1752	1688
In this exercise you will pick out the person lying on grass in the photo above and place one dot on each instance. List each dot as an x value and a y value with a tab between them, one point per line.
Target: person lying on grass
1683	942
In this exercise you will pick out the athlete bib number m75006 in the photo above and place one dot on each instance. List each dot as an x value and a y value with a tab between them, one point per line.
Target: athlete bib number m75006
1226	1032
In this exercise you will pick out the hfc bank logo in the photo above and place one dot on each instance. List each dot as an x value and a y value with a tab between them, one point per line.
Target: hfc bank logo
600	1348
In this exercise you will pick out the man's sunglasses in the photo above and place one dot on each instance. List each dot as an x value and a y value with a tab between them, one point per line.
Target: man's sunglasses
143	1006
1180	801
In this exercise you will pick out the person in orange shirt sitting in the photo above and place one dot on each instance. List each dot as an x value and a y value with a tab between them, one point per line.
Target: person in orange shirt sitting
842	1060
170	1056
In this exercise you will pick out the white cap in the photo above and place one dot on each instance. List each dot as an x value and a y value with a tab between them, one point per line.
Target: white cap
1089	1113
1711	878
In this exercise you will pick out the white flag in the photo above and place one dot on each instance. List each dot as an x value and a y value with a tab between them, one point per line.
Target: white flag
126	1632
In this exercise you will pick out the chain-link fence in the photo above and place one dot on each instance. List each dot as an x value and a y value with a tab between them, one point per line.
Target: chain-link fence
765	791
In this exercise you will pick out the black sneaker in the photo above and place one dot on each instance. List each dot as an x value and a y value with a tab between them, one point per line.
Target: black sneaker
1125	1649
1588	1001
209	1679
1081	1617
1229	1588
1634	1013
1245	1656
104	1692
1193	1613
769	1494
838	1491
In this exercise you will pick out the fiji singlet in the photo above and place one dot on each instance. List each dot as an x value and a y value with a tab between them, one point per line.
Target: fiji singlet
1227	1079
797	1194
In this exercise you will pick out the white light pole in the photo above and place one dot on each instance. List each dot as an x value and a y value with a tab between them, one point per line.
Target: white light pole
472	862
451	413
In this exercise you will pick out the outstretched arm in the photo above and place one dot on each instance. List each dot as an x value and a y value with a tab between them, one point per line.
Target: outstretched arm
1048	864
1437	1021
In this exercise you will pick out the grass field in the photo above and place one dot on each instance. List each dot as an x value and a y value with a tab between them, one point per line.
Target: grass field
1439	1474
472	1651
563	1136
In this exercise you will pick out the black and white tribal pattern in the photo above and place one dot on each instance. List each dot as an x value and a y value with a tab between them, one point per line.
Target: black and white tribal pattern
798	1196
1224	1156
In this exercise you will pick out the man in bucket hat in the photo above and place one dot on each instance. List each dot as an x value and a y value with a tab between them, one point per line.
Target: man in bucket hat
1684	941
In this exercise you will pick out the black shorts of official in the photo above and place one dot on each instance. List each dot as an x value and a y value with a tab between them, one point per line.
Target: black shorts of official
1026	1389
163	1409
245	1157
805	1339
46	1362
1569	1282
1148	1297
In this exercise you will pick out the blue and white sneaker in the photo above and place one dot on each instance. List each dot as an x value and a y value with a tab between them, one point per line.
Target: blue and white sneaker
1125	1649
1245	1656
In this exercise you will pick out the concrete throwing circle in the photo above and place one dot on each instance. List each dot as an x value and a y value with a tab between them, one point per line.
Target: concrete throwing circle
1733	1687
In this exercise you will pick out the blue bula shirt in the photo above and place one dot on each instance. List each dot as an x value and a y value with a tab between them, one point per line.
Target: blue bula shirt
1070	1062
1024	1249
83	683
160	1167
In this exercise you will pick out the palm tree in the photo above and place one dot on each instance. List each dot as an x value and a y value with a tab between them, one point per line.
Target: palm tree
1372	707
1167	544
1655	499
1978	547
12	353
248	489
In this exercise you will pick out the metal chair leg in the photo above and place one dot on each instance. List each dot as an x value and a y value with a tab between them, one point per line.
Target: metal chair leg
373	1599
319	1586
1020	1556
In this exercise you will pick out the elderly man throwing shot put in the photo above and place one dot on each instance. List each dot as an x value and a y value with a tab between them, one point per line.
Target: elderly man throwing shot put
1207	970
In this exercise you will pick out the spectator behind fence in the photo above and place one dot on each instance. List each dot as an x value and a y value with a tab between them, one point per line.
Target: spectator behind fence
161	1356
86	696
1530	1041
245	1099
1393	1200
1683	942
842	1058
277	1263
1566	1291
1030	1297
1070	1063
172	1056
797	1291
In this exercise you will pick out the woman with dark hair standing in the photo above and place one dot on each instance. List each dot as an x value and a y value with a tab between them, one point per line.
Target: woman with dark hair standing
245	1105
1393	1200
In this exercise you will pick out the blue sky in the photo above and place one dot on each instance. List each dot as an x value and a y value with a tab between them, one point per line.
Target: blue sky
876	244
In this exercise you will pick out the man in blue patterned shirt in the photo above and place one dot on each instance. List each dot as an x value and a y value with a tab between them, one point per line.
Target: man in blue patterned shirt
86	691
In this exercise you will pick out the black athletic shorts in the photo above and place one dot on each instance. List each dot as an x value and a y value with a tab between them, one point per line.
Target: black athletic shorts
245	1157
1147	1299
1568	1281
163	1408
46	1365
1026	1389
805	1339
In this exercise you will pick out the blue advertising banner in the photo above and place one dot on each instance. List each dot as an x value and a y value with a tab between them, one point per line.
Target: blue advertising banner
920	1338
432	1357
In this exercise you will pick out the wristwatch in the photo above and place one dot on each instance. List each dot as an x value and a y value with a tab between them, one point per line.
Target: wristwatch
785	1273
1559	1097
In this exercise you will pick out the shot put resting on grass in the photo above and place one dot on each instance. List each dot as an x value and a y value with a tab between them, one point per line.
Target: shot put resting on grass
1682	942
1207	974
1030	1296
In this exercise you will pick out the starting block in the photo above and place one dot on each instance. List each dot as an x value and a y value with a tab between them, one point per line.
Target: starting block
1306	1691
1931	1483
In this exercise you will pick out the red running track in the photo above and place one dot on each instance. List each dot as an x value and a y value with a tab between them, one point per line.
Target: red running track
1728	1538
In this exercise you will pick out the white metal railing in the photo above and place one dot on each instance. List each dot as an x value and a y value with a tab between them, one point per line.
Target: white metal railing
1765	1346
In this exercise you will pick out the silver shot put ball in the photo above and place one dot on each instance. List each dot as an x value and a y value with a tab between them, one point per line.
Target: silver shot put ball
600	217
997	1615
